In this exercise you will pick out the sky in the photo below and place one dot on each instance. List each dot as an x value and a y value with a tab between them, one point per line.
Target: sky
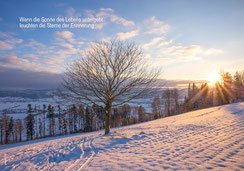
188	39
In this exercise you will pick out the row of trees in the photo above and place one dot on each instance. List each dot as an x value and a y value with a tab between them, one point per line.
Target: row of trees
38	123
228	90
52	121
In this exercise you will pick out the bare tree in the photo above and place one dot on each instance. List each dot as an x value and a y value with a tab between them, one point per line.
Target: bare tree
167	101
108	74
44	120
175	94
6	124
156	108
141	114
18	128
2	129
126	110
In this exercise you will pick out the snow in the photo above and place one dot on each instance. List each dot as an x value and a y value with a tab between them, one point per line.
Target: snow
22	103
18	105
205	139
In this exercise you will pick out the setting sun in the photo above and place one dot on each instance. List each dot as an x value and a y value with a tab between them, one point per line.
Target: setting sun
213	78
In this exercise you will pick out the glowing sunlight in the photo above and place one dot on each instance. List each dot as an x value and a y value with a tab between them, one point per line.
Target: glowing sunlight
213	78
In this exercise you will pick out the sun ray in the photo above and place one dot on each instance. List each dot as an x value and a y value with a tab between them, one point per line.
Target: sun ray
198	95
221	93
227	90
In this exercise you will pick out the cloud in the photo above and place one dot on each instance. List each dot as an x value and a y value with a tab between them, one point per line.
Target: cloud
127	35
8	42
163	53
12	78
71	12
184	52
179	53
165	43
67	35
213	51
4	35
66	49
5	46
122	21
67	45
11	60
108	13
157	42
31	56
14	41
107	9
42	57
35	44
55	64
153	42
37	56
166	50
1	19
90	13
154	26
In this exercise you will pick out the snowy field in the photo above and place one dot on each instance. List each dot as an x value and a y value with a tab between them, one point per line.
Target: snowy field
17	107
205	139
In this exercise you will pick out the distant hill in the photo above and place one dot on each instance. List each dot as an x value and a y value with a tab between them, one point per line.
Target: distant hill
31	94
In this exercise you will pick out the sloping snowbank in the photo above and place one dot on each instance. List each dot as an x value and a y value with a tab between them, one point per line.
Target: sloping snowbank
205	139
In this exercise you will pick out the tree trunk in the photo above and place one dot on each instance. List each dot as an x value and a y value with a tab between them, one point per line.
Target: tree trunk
108	109
1	134
20	136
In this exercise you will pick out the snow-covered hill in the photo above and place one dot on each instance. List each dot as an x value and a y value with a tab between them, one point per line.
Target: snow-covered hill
205	139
